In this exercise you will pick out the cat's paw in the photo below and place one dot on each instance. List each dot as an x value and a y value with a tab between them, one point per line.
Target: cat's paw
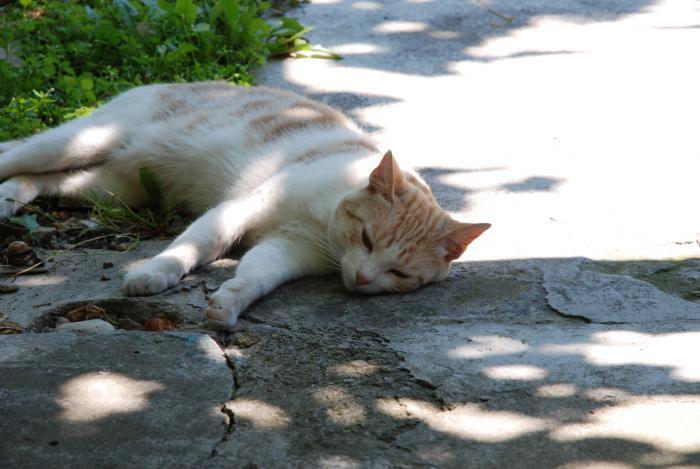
8	208
152	277
222	312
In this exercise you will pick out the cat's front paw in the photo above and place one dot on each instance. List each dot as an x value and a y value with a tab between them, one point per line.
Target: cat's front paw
222	312
152	277
8	193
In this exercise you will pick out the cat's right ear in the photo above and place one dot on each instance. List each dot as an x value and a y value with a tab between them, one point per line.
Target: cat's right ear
387	179
460	236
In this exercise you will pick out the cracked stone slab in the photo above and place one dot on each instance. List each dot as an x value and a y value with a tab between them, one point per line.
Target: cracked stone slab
521	395
484	361
473	292
610	298
77	277
307	399
126	400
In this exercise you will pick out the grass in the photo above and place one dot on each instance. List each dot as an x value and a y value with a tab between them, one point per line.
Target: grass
69	56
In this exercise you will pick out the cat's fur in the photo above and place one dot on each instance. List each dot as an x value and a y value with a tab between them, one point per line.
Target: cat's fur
294	177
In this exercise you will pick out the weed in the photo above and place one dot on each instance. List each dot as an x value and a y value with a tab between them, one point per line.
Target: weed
65	57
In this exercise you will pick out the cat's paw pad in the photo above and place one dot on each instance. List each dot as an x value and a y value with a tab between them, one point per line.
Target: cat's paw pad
152	277
221	312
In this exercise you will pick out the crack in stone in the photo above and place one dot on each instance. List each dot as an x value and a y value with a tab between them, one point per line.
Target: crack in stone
564	315
230	415
555	310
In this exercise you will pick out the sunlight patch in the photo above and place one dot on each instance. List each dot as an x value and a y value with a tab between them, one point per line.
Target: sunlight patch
515	372
667	422
393	27
94	396
488	346
341	407
678	351
556	390
40	281
468	421
367	5
356	48
355	368
260	414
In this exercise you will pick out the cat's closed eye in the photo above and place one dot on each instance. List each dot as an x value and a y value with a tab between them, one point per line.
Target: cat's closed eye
398	273
366	241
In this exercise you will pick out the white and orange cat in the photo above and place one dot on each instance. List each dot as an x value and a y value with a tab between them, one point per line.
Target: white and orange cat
296	178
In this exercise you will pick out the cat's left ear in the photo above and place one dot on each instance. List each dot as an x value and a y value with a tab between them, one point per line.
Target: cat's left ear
387	178
460	236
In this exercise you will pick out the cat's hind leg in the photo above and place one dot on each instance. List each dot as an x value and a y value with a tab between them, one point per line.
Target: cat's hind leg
23	189
16	192
76	144
263	268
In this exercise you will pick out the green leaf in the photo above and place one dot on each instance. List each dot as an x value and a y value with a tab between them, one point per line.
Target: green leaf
28	221
201	28
231	9
86	83
187	11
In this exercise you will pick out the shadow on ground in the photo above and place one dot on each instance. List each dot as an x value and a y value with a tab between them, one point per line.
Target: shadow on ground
484	369
395	33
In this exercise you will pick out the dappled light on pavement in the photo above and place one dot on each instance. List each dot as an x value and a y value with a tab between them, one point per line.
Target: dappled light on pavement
98	395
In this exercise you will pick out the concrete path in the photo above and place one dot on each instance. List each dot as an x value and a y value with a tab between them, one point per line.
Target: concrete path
567	336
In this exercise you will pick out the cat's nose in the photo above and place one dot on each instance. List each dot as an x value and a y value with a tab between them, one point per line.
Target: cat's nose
361	279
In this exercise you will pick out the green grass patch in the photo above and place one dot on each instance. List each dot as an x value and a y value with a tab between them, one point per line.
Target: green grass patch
65	57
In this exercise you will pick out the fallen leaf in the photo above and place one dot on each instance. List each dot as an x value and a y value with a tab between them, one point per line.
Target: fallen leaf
158	324
10	328
86	312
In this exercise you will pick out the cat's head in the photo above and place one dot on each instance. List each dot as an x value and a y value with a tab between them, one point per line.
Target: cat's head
393	235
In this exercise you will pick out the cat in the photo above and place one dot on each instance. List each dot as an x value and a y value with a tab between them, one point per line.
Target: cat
294	178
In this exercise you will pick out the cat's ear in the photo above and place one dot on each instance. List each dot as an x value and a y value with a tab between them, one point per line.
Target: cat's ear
387	178
459	236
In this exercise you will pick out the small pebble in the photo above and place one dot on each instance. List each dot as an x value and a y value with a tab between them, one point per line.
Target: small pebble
90	224
121	247
93	326
104	278
107	265
61	320
245	339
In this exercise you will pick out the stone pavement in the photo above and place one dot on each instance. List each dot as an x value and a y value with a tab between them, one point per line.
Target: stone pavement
567	336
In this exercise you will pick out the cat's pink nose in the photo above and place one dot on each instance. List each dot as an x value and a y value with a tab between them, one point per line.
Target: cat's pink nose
361	279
